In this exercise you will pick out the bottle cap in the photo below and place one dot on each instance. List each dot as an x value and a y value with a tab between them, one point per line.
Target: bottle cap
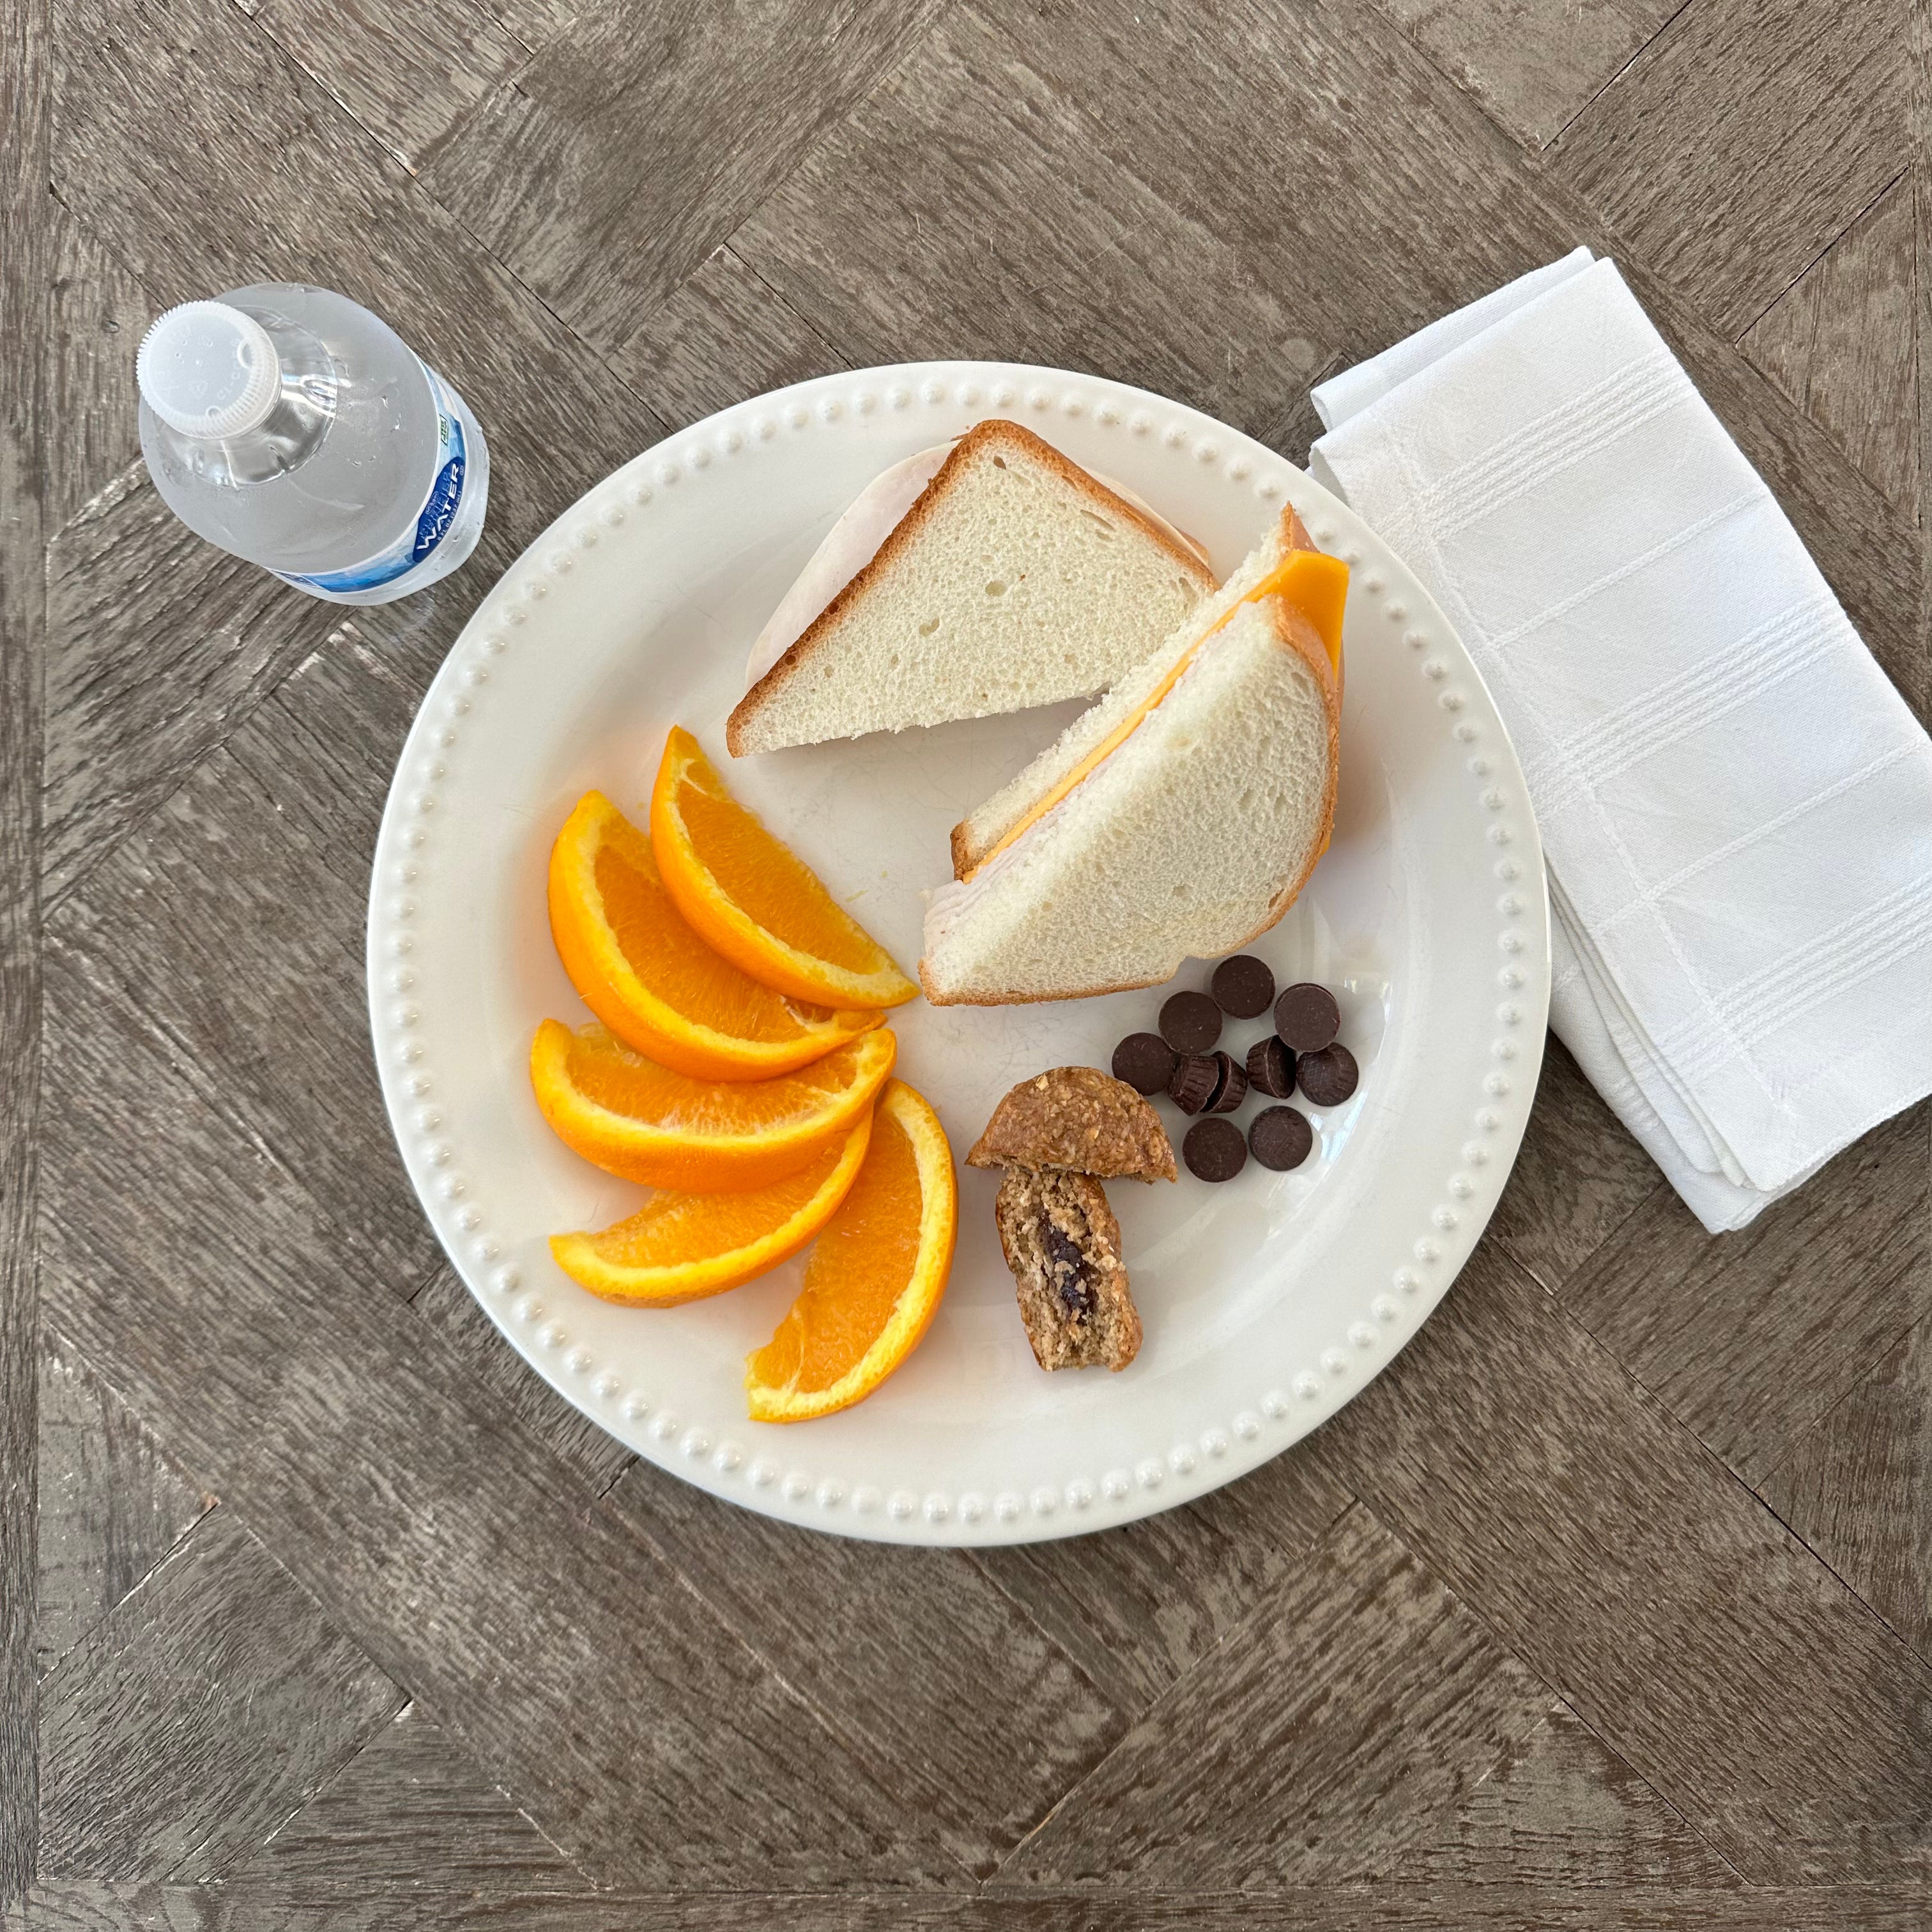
208	369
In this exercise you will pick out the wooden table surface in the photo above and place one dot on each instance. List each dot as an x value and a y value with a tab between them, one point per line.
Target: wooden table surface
1607	1605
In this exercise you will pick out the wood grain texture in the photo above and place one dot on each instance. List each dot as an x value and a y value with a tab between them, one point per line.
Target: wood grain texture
1533	64
112	1505
1137	1606
1579	1176
1750	1337
634	145
1560	1808
957	1703
451	1310
1859	1487
248	1907
1800	117
413	1813
447	1540
209	1704
1669	1609
721	336
97	316
1842	342
158	645
232	925
26	271
1353	1706
408	76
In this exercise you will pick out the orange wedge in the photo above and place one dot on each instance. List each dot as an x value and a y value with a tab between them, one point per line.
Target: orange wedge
679	1247
754	898
631	1117
652	980
875	1277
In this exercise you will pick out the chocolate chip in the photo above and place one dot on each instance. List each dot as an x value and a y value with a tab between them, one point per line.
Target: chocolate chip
1280	1138
1329	1077
1214	1149
1306	1017
1145	1062
1243	986
1195	1078
1271	1068
1069	1268
1190	1022
1234	1088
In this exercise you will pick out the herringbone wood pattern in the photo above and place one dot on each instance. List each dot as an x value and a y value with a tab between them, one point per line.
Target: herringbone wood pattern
1611	1604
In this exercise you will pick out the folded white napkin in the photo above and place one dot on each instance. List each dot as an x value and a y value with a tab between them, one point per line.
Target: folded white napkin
1736	806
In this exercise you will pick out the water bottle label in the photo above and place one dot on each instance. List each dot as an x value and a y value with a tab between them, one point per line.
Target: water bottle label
433	520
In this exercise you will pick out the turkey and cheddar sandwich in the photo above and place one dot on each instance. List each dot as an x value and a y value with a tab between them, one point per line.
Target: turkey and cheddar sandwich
1177	818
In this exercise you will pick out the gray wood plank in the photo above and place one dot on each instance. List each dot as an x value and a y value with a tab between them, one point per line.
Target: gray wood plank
1533	64
636	143
433	1527
112	1505
1750	1337
1859	1487
412	1812
1742	142
197	154
1665	1604
231	923
1841	342
957	1703
248	1907
1561	1808
208	1705
1350	1709
720	336
99	313
158	645
410	76
1579	1176
25	103
1137	1606
451	1309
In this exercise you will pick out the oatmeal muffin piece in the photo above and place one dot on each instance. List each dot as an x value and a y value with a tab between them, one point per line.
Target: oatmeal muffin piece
1062	1242
1079	1121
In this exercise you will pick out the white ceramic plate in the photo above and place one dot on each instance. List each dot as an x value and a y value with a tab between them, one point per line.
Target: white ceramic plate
1268	1301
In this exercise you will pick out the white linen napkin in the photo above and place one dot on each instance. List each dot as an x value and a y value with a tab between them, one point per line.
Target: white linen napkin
1736	806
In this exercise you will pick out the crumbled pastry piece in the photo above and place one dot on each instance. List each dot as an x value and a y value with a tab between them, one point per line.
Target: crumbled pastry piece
1062	1243
1078	1119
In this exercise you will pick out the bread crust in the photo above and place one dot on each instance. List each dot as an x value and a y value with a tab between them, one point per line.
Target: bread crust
1293	633
994	433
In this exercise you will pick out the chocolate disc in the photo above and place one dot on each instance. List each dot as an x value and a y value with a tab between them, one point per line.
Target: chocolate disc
1306	1017
1271	1068
1214	1149
1196	1077
1243	986
1190	1023
1145	1062
1329	1077
1234	1088
1280	1138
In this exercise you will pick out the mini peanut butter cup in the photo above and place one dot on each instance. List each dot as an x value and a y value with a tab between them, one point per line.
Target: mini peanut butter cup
1195	1080
1280	1138
1190	1023
1329	1077
1233	1088
1307	1017
1243	986
1214	1149
1271	1068
1145	1062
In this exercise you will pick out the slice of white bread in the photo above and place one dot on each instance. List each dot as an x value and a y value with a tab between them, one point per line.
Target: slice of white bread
1015	580
1188	839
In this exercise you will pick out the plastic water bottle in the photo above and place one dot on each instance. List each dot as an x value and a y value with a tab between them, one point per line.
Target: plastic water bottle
292	427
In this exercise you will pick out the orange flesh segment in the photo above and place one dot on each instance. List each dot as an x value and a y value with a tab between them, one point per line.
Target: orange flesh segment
1316	583
769	881
689	978
863	1263
673	1229
612	1076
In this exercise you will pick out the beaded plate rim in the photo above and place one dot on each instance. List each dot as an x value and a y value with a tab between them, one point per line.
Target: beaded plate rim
1286	1405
